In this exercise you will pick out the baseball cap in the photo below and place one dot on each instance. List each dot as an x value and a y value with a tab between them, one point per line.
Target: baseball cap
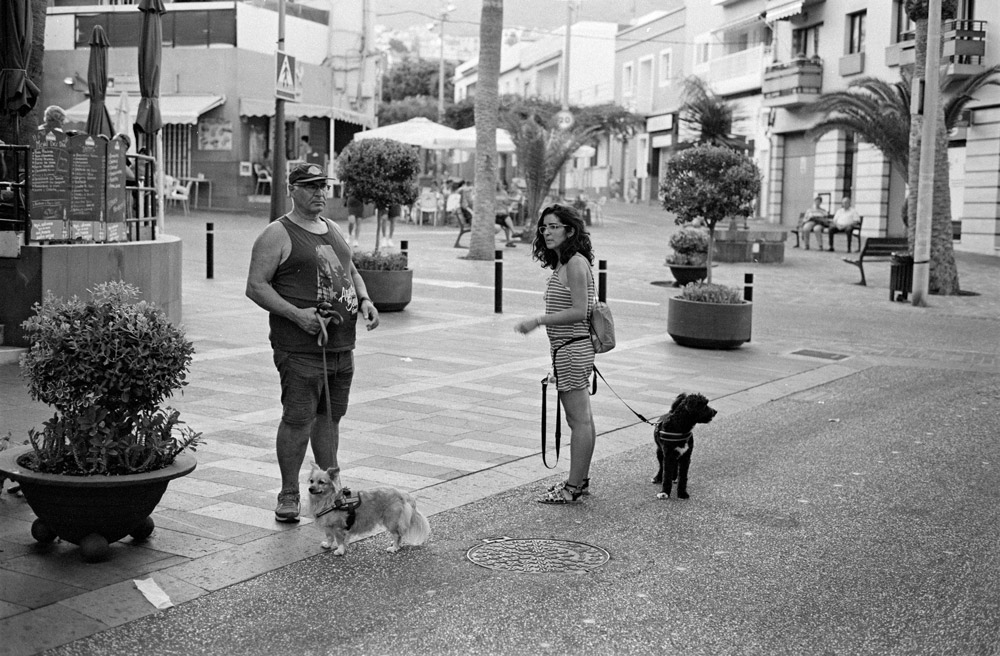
304	172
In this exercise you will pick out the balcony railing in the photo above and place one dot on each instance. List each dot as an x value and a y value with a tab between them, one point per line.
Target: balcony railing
788	84
735	72
964	46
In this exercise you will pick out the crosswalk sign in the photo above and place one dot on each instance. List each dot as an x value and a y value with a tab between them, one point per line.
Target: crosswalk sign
285	82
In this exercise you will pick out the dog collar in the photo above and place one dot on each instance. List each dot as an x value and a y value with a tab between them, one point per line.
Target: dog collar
346	504
674	437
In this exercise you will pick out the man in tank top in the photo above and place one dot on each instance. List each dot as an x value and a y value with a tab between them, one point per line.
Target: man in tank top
301	273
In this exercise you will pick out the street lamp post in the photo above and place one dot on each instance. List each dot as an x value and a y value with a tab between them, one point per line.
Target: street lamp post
445	10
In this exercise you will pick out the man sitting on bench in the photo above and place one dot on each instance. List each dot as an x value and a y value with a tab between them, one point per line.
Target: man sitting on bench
844	220
813	217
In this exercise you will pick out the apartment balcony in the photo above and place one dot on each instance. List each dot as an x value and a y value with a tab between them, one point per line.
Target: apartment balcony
794	83
964	48
736	72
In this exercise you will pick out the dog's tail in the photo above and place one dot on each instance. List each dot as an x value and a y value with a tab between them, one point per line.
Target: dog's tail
416	527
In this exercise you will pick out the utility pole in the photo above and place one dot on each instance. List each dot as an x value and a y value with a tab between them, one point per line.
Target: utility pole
278	173
925	189
565	62
445	9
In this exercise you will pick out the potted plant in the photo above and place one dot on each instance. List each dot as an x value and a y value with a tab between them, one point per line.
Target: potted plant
388	278
707	315
96	470
688	259
708	183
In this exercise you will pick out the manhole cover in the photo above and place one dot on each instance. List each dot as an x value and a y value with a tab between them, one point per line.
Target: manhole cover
824	355
537	555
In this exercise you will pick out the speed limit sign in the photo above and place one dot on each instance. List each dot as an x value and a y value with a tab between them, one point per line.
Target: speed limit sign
564	119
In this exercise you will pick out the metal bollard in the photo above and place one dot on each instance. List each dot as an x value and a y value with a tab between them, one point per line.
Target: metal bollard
498	282
404	248
210	250
748	287
602	281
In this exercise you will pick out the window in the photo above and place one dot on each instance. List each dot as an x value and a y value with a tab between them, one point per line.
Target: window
180	28
856	32
701	52
666	67
903	23
628	82
805	42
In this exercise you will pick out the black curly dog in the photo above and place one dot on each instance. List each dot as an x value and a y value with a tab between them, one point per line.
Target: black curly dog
674	441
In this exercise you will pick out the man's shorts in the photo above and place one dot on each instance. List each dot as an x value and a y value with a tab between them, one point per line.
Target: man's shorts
301	374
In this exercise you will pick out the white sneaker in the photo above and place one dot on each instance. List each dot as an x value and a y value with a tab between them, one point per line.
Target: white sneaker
355	243
388	243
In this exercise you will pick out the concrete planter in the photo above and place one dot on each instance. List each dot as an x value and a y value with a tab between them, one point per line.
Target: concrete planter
390	291
687	273
709	325
92	511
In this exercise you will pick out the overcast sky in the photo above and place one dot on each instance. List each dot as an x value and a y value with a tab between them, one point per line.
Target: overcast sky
544	14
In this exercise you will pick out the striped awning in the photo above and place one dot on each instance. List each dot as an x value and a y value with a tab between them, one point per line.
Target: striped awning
779	9
293	110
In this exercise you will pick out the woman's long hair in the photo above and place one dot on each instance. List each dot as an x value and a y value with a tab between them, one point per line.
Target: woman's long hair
578	242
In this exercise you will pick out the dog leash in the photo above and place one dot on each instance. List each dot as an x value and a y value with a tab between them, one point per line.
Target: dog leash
325	311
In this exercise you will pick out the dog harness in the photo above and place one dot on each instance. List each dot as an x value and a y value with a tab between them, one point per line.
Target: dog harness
346	504
667	436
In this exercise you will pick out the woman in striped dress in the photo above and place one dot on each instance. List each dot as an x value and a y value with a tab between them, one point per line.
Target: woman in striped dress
563	244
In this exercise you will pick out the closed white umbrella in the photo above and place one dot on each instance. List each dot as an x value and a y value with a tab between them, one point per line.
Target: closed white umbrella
123	119
417	131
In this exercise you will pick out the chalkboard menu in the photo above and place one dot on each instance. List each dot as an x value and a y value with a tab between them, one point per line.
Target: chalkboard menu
115	192
86	193
50	184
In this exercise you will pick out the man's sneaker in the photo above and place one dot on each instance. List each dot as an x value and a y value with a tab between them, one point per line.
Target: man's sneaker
288	507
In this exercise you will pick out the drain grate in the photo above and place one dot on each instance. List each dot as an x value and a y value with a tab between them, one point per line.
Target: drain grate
823	355
537	555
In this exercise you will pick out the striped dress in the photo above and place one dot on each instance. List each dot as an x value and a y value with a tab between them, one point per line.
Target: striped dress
572	364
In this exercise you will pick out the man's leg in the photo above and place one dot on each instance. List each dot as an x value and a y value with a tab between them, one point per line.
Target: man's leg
291	449
325	440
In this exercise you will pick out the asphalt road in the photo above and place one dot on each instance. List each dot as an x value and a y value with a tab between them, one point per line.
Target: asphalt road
858	517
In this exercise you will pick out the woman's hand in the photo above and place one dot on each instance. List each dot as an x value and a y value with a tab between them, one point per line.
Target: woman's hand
526	326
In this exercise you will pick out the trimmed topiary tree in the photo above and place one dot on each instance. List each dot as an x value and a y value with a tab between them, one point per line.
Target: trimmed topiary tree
381	172
709	183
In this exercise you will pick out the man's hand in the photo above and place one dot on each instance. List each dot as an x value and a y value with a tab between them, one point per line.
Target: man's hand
368	312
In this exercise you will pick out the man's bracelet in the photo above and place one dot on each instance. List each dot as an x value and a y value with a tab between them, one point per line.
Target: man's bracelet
363	299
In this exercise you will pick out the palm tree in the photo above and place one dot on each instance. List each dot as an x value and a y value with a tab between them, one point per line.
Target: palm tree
481	242
943	277
878	112
709	115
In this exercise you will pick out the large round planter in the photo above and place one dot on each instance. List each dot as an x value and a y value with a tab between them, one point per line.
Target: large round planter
92	511
390	291
687	273
709	325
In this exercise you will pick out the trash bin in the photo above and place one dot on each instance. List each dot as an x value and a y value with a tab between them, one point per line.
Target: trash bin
900	276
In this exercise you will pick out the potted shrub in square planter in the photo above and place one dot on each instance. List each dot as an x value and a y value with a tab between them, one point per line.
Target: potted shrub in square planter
100	465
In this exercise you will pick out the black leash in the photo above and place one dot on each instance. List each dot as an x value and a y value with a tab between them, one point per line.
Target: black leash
593	391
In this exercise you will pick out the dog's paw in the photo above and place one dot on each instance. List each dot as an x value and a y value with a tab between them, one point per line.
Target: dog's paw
656	479
662	495
325	544
683	495
340	551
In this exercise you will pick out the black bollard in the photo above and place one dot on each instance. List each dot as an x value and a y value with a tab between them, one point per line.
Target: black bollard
602	281
404	248
210	251
748	287
498	282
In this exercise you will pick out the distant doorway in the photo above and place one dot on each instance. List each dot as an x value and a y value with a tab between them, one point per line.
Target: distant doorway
798	179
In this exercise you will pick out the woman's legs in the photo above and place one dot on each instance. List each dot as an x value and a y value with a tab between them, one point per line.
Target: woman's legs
354	228
583	435
806	230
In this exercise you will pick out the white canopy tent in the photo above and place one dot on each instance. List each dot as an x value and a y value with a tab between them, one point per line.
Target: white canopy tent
465	139
417	131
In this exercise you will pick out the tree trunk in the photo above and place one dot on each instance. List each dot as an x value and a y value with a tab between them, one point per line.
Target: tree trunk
943	276
482	241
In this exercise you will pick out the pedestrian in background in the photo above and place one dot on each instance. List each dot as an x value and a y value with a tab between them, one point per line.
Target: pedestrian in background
301	272
814	218
563	245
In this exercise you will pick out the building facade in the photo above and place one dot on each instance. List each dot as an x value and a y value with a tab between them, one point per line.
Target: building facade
218	77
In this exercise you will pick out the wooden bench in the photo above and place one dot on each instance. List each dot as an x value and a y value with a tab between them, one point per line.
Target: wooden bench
878	249
854	231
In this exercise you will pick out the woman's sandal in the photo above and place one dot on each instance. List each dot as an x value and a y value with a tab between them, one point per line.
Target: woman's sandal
557	495
584	486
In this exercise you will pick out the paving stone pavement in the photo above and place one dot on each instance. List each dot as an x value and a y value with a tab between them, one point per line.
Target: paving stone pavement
446	402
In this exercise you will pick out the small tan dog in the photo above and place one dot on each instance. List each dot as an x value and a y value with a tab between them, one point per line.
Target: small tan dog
342	514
